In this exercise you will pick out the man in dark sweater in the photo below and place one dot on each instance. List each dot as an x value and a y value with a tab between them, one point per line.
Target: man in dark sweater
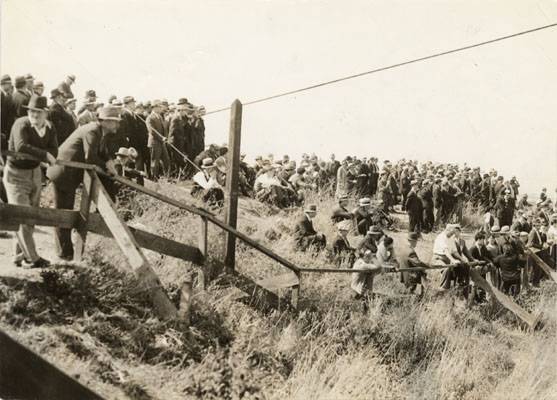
32	135
88	144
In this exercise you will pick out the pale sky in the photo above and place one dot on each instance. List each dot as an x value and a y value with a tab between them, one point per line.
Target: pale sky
493	106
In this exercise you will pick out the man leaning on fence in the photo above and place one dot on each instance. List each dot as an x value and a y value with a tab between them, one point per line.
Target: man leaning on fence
35	136
87	144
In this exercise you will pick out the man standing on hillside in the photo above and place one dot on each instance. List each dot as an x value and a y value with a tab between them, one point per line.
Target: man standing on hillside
87	144
60	117
20	97
414	207
35	136
160	161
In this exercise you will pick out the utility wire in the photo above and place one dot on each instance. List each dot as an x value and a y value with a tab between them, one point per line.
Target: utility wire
373	71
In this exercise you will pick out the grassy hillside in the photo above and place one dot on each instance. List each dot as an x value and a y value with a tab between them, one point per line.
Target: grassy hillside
92	322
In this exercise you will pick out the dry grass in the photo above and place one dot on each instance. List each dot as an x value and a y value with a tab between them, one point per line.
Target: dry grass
94	324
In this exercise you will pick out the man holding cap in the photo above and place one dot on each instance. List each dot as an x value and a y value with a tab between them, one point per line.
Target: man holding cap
35	136
87	144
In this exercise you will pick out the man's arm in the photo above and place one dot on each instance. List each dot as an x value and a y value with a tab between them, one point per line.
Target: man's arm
22	137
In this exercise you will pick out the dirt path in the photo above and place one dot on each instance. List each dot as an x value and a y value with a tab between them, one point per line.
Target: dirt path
44	241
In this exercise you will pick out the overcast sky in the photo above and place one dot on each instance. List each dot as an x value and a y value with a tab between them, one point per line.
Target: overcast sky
494	106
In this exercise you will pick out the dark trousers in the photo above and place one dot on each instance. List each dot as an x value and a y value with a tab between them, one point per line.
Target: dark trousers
64	198
414	222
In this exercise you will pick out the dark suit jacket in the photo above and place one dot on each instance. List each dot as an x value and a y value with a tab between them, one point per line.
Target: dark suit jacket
20	98
86	144
414	204
62	121
177	132
7	114
155	123
480	253
304	228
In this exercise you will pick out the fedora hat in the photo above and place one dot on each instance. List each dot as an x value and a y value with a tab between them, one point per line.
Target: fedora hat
133	152
123	152
374	230
311	208
110	113
220	163
128	99
365	201
5	79
55	93
413	236
181	101
37	103
71	78
38	84
207	163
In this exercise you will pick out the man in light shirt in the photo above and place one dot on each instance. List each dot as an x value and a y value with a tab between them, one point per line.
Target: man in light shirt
207	185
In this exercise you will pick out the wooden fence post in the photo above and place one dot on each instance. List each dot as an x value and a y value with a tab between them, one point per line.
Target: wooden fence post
202	277
232	178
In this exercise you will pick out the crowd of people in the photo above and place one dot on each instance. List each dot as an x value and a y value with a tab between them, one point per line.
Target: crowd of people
156	138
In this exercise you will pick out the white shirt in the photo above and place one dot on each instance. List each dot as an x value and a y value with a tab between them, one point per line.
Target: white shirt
205	183
267	181
441	245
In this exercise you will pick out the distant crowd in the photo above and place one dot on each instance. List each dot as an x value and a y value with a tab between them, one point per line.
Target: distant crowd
156	138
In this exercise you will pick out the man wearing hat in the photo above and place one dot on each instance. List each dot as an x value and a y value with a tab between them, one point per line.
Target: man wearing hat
134	129
29	82
62	120
20	97
505	208
70	106
342	251
340	212
65	87
305	235
160	161
179	134
88	114
87	144
34	136
426	196
370	241
8	110
414	207
38	88
197	124
362	216
206	183
407	258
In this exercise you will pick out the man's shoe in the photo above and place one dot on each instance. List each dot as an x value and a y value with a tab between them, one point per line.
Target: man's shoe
66	258
40	263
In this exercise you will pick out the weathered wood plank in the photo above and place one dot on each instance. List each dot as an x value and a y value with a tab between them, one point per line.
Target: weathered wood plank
13	215
279	281
530	319
26	375
232	182
129	246
150	241
202	277
542	264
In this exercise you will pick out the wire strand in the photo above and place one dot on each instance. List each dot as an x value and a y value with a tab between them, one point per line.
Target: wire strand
381	69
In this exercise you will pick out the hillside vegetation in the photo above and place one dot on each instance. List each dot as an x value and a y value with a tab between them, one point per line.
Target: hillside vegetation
92	321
